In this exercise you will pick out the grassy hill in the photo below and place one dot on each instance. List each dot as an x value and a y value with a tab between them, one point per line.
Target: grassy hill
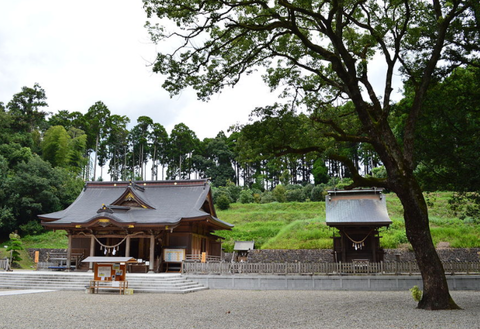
301	225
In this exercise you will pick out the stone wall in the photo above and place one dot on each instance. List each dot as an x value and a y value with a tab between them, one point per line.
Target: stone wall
43	253
326	255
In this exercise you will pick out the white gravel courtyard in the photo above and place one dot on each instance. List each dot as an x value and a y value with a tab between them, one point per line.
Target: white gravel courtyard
233	309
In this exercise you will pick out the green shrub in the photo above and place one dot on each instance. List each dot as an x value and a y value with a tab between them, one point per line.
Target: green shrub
296	195
416	293
279	193
318	193
307	191
223	202
246	196
234	191
267	197
15	247
32	228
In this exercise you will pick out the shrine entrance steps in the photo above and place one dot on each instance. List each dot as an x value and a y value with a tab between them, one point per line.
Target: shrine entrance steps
140	283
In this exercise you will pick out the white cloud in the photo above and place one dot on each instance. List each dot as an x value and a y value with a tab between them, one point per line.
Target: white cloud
89	51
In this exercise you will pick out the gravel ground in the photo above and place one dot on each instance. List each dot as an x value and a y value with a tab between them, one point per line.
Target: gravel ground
233	309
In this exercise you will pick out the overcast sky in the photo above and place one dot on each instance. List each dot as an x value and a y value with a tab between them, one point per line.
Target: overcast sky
98	50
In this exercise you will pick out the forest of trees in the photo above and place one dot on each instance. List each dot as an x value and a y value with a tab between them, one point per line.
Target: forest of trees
45	158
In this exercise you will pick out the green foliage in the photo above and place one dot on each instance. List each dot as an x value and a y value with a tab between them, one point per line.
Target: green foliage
449	122
416	293
234	191
246	196
279	193
320	172
26	109
267	197
49	239
299	225
35	188
318	193
32	227
295	195
15	246
302	234
223	201
63	150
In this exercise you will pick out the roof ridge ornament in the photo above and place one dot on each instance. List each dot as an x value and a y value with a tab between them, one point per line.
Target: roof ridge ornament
105	208
134	185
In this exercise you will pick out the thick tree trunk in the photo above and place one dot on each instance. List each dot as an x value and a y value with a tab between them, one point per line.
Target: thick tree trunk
436	295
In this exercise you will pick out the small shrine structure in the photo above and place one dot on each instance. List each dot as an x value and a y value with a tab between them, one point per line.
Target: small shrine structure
156	222
357	215
241	249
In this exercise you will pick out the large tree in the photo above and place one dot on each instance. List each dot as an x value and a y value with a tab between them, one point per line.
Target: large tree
96	120
26	108
321	52
182	143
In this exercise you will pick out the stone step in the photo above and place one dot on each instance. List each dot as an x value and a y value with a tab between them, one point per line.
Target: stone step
149	283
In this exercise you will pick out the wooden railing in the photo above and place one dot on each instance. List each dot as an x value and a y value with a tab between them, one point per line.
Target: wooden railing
198	258
387	268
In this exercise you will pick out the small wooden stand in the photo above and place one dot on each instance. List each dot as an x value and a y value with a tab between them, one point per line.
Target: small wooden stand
109	273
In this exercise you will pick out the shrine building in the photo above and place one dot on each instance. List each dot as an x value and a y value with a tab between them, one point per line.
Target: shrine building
357	215
159	223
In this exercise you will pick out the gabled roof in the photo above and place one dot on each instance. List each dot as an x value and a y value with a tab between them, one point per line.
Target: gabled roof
356	207
148	203
244	245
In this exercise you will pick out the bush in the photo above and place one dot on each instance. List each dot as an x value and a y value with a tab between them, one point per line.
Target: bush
318	193
234	191
218	191
246	196
32	228
15	246
279	193
295	195
307	191
267	197
223	201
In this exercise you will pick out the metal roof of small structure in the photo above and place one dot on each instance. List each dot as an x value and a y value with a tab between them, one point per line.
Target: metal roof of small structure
106	259
356	207
244	245
155	203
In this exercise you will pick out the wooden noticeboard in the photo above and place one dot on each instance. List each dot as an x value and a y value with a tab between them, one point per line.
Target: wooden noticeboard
173	255
110	271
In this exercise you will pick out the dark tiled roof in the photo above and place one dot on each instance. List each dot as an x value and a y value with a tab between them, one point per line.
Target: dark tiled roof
356	207
160	202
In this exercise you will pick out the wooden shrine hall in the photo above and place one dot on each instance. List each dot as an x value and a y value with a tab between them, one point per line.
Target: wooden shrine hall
159	223
358	215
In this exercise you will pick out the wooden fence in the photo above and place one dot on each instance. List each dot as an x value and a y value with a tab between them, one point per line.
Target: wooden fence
323	268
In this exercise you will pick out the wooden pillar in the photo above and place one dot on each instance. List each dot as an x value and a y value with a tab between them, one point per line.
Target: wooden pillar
374	246
69	252
92	252
151	262
127	247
